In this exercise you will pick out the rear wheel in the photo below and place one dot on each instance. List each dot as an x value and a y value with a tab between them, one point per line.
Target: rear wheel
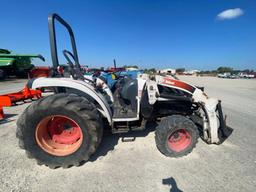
61	130
58	135
176	136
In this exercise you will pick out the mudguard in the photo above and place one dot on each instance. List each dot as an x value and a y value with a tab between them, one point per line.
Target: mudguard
74	84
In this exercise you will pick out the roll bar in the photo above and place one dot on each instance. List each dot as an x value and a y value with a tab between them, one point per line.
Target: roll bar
53	44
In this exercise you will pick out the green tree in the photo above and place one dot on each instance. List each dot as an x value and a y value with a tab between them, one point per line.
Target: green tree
225	70
150	71
180	70
131	66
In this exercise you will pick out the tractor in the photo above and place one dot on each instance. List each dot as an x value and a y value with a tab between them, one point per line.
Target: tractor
65	128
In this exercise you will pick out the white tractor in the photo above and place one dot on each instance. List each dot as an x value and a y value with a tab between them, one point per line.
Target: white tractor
66	128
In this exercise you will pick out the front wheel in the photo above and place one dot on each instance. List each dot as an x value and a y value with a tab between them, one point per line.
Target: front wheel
60	130
176	136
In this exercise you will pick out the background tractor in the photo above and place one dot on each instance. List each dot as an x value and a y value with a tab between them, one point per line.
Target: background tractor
66	128
16	64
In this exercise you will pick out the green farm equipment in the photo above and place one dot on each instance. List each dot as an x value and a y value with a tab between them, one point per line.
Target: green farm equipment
16	64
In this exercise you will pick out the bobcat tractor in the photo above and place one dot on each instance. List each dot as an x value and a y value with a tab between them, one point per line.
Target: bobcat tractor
65	128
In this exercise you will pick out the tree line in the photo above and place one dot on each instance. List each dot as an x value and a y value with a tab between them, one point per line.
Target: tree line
227	70
222	69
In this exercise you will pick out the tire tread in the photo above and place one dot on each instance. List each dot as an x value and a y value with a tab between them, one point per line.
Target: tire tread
74	103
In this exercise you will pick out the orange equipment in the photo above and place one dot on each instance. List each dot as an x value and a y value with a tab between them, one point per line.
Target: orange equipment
10	99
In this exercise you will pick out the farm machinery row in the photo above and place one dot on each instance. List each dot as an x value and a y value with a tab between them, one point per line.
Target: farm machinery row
65	128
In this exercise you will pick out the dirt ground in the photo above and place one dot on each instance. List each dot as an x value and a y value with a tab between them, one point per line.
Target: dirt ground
138	165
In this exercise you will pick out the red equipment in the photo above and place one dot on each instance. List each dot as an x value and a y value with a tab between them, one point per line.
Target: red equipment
39	72
11	98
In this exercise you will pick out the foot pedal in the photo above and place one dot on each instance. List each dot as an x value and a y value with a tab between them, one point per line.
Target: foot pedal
128	139
114	131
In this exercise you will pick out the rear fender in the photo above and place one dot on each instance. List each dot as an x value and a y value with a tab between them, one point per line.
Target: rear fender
74	84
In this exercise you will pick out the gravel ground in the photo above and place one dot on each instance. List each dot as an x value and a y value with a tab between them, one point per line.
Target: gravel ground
11	85
138	166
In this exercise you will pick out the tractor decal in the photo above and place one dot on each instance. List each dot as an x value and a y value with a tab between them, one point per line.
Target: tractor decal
180	84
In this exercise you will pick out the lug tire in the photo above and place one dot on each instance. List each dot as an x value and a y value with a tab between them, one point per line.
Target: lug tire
83	113
186	139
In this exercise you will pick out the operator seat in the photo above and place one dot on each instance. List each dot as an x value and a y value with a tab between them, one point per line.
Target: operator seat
129	92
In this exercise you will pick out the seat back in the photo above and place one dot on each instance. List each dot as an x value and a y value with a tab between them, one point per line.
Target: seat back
129	92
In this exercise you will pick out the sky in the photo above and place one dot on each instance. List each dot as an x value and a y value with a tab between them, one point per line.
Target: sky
195	34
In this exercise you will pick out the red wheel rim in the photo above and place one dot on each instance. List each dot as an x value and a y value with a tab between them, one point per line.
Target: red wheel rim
58	135
179	140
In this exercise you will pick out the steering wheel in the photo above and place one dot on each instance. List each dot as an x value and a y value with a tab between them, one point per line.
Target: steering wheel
67	54
75	72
